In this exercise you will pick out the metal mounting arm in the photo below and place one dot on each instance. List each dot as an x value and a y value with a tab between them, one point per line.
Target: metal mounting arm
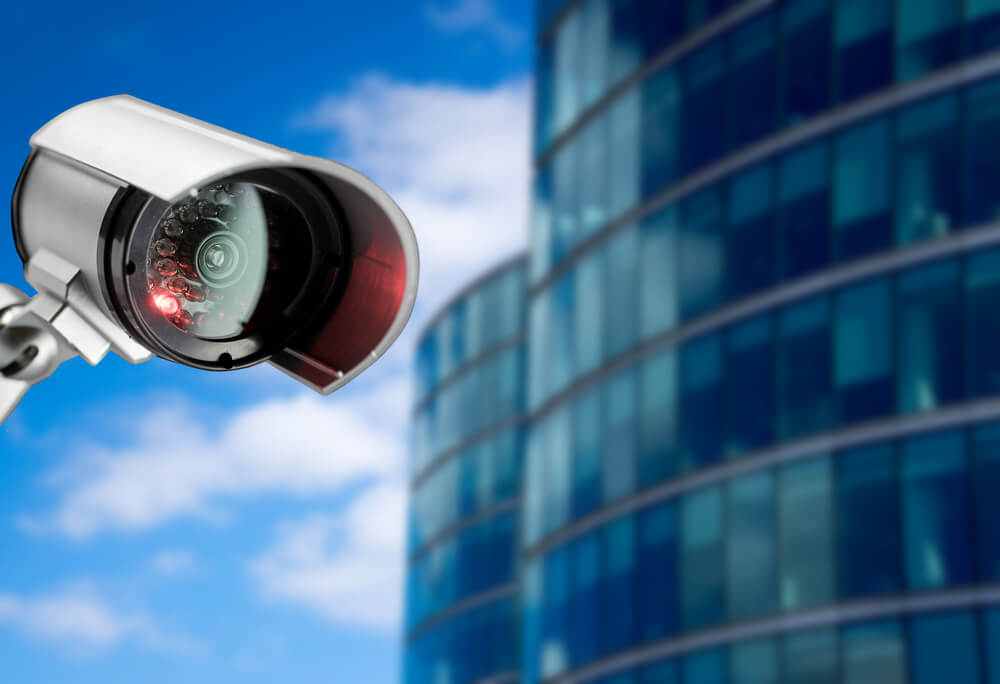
61	321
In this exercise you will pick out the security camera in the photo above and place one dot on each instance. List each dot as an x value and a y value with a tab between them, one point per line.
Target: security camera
148	232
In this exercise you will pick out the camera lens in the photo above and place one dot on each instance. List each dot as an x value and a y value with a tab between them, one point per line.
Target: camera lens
221	259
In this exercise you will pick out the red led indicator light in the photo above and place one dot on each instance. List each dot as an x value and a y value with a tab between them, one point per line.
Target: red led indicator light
166	303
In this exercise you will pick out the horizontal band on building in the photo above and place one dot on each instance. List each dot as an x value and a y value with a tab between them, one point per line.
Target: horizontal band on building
502	678
876	431
480	280
470	441
884	101
470	365
462	525
463	606
809	619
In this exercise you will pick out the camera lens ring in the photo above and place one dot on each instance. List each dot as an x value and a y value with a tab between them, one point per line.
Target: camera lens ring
132	220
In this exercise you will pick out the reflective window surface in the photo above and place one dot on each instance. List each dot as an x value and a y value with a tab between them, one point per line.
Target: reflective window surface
895	178
492	313
933	647
467	648
781	66
476	559
467	474
894	344
875	521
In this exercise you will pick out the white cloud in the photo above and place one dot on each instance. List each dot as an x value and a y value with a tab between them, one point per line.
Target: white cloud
78	619
475	15
179	464
455	159
173	563
346	569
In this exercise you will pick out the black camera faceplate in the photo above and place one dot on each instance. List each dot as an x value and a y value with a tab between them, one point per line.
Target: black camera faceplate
309	289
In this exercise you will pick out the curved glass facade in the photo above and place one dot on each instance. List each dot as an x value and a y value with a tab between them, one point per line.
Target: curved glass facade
462	612
761	382
758	398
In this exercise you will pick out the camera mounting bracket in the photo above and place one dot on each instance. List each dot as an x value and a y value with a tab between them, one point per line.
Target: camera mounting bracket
61	321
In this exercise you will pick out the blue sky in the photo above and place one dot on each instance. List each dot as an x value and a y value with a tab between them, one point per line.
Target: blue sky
160	524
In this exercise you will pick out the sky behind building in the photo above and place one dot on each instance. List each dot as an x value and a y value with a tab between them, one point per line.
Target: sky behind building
162	523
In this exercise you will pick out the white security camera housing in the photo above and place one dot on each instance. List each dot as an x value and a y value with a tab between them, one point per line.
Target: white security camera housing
149	232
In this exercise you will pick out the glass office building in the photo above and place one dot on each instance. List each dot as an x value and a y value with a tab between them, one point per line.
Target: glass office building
763	379
462	614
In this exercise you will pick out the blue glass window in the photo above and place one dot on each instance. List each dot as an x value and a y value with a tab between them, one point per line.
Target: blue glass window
805	528
587	443
533	616
701	402
626	38
863	40
556	456
991	645
804	402
750	546
565	200
982	335
936	512
705	667
661	118
806	58
749	240
588	313
749	387
542	240
568	48
874	653
861	220
804	216
943	649
617	601
982	21
662	23
555	611
811	657
701	559
628	157
657	601
754	662
982	153
593	159
929	326
927	170
658	291
663	672
595	49
928	36
658	418
619	436
534	486
701	11
986	484
701	252
620	314
868	548
862	358
559	356
752	81
545	121
704	117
